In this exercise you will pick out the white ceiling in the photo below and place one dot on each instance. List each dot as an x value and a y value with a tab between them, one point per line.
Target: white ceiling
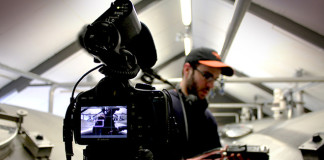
33	31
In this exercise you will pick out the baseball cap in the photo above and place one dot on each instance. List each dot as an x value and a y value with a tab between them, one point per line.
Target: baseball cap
209	57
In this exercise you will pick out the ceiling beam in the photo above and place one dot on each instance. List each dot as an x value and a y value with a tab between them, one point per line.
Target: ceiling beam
286	24
22	82
240	9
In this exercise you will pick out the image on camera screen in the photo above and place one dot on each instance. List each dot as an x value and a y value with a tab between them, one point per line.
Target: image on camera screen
103	122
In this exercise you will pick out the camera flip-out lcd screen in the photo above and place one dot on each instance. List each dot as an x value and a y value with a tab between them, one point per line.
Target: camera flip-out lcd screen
103	122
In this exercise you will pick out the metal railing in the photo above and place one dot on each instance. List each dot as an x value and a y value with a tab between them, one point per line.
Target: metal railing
225	114
256	106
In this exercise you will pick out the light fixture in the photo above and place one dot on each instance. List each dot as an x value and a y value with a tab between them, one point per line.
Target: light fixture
186	20
187	44
186	12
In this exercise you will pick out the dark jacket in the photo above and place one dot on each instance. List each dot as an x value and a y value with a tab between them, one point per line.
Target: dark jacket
202	126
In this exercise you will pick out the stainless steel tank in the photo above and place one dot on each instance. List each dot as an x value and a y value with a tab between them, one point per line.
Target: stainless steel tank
283	137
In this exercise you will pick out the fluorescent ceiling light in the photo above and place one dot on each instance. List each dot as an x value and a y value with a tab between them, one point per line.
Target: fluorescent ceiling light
187	44
186	12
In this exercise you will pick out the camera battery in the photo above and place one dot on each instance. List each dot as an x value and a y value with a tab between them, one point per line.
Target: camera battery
38	145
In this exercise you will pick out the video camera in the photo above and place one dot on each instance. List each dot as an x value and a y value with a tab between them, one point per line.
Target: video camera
114	119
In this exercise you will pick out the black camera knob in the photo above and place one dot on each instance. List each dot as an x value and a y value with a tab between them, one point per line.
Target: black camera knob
316	138
39	137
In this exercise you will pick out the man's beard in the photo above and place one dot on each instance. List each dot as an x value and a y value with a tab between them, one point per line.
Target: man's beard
192	86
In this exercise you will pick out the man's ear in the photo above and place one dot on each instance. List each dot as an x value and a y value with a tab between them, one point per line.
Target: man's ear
187	69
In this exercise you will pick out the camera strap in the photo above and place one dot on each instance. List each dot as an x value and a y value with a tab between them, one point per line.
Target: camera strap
68	119
183	110
67	130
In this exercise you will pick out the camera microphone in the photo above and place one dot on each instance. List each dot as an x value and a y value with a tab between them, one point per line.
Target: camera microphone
143	47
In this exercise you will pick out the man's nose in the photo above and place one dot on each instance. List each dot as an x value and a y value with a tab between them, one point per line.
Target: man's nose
210	84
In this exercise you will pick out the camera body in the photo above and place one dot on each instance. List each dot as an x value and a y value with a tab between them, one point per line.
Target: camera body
116	113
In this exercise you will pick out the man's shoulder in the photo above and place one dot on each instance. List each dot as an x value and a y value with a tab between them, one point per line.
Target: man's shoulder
173	93
176	101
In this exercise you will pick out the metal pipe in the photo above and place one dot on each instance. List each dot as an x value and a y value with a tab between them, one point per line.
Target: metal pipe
8	117
26	74
51	99
239	105
232	105
241	6
299	103
64	85
254	80
228	80
275	79
259	112
82	84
